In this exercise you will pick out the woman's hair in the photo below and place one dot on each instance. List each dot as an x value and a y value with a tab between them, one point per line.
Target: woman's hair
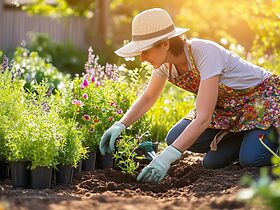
176	45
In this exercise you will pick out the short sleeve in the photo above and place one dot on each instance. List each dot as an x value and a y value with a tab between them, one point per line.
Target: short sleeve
208	57
161	72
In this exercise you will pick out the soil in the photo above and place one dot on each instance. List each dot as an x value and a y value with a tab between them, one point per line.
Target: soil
187	186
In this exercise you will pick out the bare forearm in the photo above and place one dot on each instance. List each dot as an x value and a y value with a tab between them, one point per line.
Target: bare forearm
190	134
137	110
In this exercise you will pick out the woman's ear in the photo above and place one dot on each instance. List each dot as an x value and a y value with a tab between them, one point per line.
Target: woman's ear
166	45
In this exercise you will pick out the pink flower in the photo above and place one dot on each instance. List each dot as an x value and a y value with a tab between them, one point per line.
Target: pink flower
92	79
86	117
85	83
85	96
77	103
97	84
112	103
82	86
119	111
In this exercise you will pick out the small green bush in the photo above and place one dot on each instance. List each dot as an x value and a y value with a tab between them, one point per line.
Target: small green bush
34	69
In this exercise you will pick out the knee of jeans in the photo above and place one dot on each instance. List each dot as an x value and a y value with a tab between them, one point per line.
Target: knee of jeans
208	163
247	161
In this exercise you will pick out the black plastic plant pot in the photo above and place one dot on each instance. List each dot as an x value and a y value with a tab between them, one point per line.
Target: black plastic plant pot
104	161
64	174
41	177
3	169
155	146
78	169
89	163
20	174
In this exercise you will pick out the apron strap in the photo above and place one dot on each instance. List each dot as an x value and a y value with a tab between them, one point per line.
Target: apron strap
219	136
170	70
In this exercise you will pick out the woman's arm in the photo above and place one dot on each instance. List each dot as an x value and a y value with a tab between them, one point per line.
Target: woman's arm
205	104
145	101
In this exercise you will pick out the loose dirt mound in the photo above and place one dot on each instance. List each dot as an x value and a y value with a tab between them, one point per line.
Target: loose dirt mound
187	186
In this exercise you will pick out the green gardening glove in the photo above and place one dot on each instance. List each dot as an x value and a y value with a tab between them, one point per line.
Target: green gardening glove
157	169
107	143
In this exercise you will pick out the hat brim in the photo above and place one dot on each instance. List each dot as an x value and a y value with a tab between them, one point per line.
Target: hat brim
135	48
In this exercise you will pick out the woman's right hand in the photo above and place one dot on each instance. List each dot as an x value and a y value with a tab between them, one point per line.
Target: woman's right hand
107	143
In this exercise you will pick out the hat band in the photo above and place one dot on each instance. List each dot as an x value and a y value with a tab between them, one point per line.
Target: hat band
154	34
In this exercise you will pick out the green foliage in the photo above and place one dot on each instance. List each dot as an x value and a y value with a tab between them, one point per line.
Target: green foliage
11	108
35	69
126	155
37	134
72	150
63	56
59	9
264	188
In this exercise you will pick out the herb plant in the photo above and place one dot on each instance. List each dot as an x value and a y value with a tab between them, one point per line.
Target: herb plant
125	156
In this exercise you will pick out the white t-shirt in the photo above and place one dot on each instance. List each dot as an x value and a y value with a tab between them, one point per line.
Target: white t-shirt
212	59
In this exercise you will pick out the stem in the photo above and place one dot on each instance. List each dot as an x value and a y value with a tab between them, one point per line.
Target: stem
270	150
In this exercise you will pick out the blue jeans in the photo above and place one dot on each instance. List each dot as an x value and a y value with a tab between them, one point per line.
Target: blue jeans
243	146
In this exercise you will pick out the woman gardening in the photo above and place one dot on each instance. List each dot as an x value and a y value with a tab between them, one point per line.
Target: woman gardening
236	101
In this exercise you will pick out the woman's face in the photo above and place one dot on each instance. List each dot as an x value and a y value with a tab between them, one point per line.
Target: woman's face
156	55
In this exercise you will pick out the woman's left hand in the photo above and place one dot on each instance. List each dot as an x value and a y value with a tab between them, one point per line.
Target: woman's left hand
157	169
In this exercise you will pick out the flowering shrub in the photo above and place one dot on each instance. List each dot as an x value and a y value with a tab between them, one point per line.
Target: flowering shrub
98	106
100	97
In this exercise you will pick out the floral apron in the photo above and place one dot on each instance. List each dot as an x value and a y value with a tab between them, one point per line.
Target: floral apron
236	110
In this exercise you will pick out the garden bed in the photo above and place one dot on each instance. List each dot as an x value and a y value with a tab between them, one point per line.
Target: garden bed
187	186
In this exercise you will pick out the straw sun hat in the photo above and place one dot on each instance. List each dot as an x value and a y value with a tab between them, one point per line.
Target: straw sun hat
149	27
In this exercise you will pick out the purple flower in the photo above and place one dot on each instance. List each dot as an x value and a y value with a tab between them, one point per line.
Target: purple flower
11	65
97	84
119	111
85	83
5	63
92	79
50	90
77	103
18	73
85	96
13	76
46	107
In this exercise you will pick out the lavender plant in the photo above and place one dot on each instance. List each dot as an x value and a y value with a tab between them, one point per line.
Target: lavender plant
12	105
99	72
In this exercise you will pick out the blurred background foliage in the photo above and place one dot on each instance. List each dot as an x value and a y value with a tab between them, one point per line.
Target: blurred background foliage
248	27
